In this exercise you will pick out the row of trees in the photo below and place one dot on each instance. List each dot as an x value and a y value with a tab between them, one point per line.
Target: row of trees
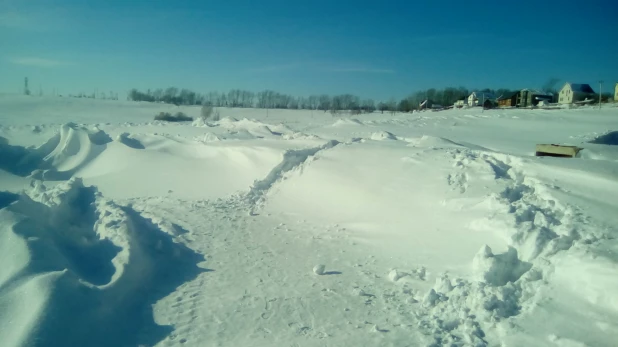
264	99
95	95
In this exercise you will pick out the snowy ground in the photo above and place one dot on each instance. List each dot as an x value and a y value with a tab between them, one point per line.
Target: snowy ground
435	228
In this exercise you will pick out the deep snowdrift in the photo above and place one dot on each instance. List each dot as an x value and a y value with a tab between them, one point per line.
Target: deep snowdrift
74	262
59	158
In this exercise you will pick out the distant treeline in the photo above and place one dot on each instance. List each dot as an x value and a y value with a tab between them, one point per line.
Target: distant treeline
264	99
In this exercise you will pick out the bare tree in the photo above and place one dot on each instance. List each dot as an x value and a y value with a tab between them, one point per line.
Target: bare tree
324	103
314	102
392	106
206	112
550	85
171	92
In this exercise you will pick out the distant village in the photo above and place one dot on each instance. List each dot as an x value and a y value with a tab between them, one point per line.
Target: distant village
570	94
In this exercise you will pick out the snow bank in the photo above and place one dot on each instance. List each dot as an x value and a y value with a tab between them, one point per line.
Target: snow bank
74	261
254	127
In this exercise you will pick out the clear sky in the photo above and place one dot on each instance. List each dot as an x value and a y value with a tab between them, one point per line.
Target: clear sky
377	49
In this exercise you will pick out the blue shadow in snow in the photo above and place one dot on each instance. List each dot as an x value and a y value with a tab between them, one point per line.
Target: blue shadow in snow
7	198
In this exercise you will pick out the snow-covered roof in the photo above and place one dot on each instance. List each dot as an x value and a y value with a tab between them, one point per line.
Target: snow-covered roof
483	95
581	88
536	92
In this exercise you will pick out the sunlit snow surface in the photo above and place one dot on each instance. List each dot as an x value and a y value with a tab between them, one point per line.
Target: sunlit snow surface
297	228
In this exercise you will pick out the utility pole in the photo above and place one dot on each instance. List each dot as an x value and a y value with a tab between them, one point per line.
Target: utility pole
483	105
26	90
600	92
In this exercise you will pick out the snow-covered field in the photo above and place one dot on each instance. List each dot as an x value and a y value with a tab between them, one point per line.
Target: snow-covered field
434	228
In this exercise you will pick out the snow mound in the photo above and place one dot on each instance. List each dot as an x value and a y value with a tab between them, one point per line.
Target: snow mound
255	128
319	269
610	138
433	141
74	261
227	120
383	135
199	122
347	121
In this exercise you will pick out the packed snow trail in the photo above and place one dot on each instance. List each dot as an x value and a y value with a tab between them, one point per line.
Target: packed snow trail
266	291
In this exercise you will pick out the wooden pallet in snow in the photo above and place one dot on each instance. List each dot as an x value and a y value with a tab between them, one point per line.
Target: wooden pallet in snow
551	150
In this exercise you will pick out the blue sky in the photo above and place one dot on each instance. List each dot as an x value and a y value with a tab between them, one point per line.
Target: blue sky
380	50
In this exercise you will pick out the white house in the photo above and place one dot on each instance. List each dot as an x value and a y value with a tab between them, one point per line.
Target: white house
480	98
574	92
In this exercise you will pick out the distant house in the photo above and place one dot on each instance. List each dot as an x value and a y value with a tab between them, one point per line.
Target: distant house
428	104
616	93
481	99
574	92
508	100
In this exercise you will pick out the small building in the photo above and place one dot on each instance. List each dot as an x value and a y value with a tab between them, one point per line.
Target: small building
508	100
429	104
574	92
529	97
481	99
616	93
460	103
